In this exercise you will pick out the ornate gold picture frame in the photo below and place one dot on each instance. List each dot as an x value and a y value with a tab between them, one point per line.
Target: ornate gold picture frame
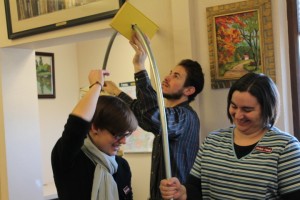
240	37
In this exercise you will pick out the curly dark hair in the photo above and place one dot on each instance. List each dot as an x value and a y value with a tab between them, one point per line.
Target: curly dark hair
195	76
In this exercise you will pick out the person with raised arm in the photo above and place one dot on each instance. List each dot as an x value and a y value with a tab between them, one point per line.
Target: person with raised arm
180	87
84	159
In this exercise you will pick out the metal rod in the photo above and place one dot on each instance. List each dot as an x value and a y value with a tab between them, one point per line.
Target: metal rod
161	105
111	41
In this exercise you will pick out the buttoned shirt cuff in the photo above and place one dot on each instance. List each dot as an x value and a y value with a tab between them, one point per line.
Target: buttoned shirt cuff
141	78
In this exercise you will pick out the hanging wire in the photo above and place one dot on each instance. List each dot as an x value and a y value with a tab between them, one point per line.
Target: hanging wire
111	41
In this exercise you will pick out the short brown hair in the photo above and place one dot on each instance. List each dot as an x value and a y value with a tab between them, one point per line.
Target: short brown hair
114	115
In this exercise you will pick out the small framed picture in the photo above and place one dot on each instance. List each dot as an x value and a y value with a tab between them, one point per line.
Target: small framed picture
45	76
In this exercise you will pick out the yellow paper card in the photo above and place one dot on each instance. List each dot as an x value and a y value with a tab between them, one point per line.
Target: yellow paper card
127	16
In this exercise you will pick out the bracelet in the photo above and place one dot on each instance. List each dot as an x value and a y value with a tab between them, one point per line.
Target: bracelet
97	82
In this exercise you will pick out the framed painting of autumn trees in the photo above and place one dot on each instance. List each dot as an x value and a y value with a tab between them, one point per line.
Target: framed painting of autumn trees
240	40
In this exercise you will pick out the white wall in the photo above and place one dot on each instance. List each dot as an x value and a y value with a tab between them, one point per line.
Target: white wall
280	31
53	113
91	56
182	34
22	137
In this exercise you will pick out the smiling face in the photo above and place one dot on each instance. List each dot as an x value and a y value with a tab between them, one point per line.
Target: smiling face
106	142
246	113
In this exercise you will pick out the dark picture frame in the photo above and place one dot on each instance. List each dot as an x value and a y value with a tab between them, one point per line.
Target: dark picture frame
232	51
29	17
45	74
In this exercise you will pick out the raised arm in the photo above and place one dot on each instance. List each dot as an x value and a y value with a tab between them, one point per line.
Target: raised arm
85	108
140	54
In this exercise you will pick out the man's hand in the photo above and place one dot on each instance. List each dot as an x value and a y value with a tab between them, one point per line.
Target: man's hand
111	88
140	54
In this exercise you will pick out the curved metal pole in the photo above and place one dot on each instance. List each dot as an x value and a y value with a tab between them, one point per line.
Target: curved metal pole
111	41
161	105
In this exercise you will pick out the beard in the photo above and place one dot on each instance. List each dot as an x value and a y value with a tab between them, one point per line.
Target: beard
173	96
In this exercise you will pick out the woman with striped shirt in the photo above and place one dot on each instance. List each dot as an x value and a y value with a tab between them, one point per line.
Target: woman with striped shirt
250	160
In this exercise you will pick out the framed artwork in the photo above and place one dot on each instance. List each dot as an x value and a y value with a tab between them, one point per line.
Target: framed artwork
45	76
29	17
240	37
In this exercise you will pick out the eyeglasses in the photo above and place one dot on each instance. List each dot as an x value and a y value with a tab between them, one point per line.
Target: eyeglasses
122	135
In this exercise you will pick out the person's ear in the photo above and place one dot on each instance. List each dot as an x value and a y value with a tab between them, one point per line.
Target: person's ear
94	129
189	90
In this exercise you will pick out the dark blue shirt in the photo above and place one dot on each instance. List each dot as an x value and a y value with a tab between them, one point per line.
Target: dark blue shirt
183	127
